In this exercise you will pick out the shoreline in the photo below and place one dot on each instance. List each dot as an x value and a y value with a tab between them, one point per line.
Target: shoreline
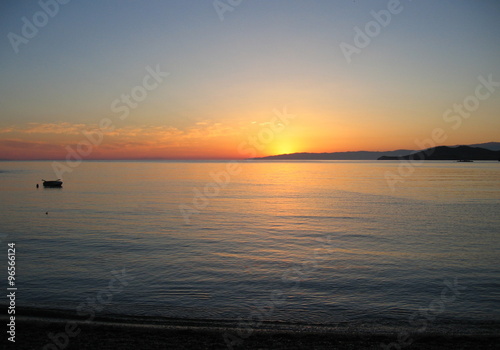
34	327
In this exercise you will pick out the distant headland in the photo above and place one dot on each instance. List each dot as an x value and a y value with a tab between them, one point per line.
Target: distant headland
482	151
460	153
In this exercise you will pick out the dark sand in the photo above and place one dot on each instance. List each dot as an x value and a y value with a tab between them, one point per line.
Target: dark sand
34	327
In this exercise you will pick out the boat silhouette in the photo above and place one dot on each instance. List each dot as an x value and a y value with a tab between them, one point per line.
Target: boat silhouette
52	183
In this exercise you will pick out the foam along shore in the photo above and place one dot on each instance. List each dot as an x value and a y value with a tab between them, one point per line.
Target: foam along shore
54	329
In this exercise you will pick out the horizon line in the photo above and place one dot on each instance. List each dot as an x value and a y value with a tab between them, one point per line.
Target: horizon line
228	158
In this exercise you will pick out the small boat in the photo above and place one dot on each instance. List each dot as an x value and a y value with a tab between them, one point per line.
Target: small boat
465	161
54	183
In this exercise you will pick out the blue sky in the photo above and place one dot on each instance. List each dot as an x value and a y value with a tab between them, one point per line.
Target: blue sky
263	55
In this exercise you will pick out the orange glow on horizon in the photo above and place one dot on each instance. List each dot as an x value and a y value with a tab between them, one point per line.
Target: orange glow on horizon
306	132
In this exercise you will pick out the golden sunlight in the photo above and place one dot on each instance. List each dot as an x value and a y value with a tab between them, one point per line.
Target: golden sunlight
283	147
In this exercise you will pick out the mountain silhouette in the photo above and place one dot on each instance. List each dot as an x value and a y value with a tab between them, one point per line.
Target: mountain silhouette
449	153
371	155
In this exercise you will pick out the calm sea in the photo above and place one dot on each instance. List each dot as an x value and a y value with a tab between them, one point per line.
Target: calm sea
315	242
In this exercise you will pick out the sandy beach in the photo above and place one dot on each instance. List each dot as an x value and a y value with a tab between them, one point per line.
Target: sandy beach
52	329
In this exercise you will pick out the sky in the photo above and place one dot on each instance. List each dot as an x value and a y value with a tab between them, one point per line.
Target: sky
231	79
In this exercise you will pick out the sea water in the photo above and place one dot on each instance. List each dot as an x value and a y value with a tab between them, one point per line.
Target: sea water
312	242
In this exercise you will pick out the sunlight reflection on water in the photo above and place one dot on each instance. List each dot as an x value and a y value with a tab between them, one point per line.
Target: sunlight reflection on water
388	253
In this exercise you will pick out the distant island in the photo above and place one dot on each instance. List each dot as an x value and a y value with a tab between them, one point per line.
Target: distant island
482	151
459	153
